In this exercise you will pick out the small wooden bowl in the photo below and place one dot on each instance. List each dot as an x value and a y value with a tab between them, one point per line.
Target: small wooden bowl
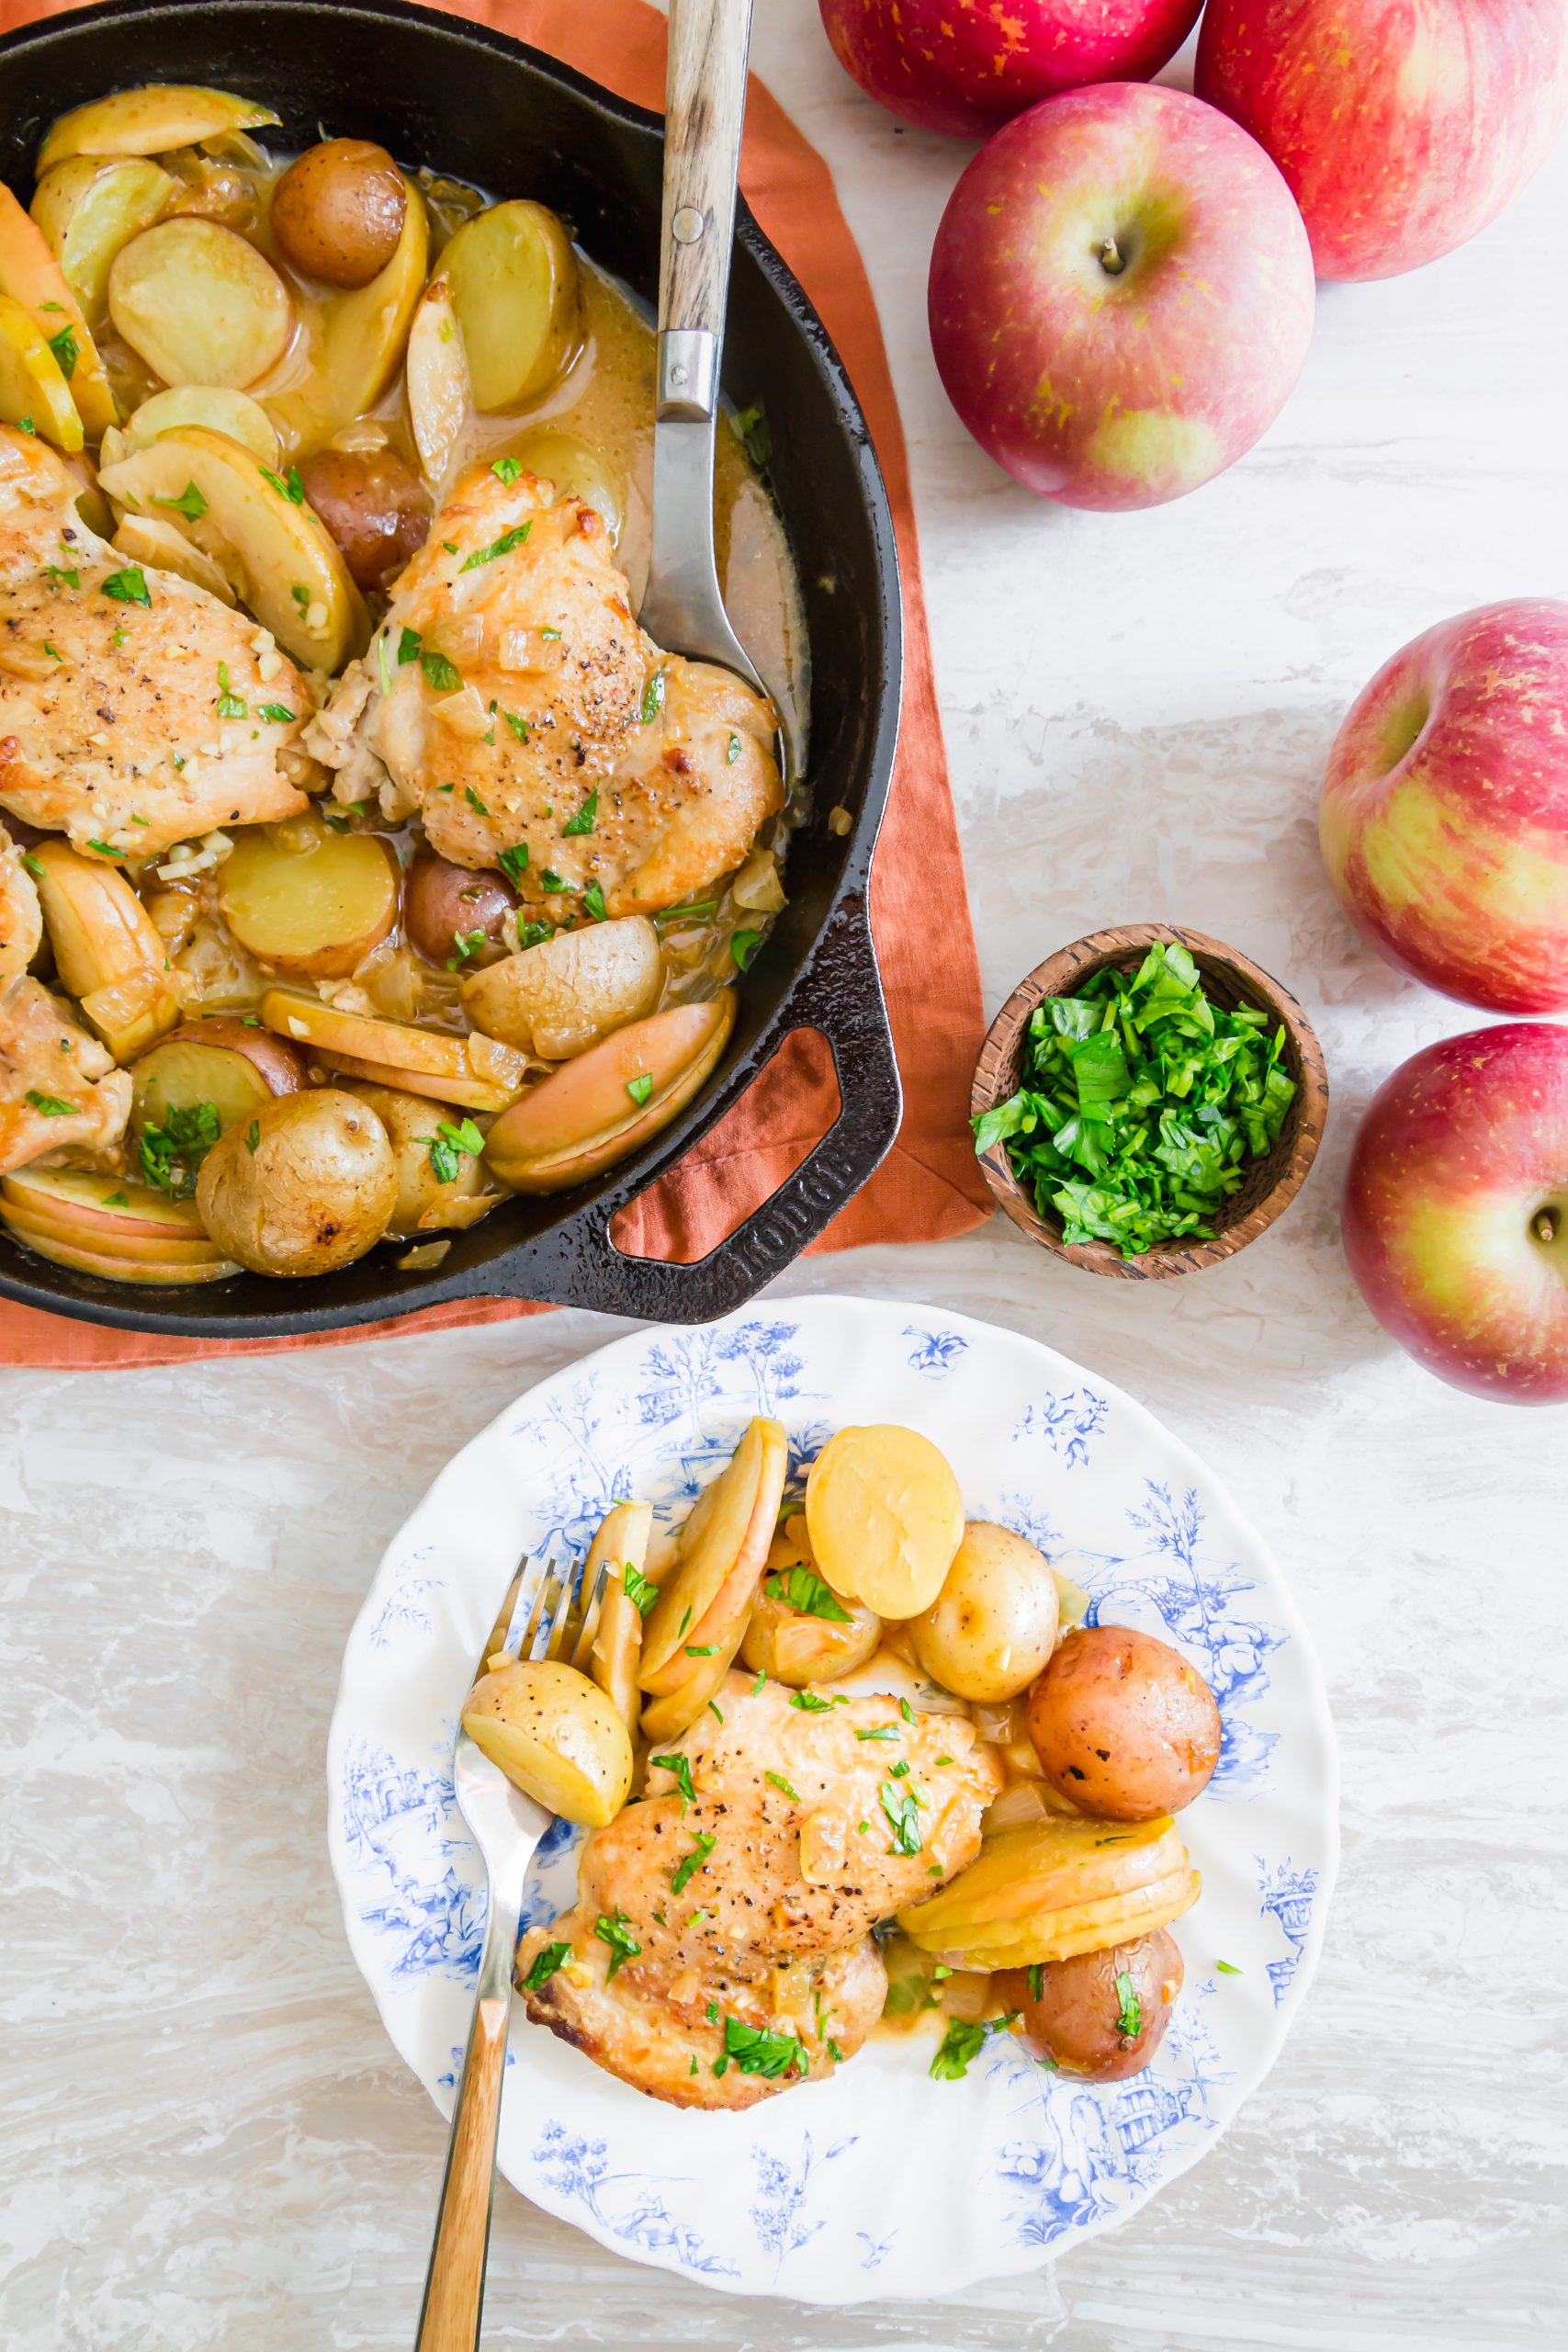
1271	1182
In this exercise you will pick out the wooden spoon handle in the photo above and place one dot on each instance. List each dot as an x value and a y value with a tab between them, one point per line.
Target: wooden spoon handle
455	2284
704	103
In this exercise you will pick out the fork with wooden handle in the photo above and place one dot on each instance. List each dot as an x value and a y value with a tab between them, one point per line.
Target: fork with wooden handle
546	1614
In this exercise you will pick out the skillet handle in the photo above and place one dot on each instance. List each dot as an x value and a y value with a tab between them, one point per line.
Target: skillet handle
839	994
705	105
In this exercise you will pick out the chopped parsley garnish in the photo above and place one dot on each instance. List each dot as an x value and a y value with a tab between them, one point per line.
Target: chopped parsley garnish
810	1704
593	902
26	425
641	1590
803	1590
758	2050
686	1620
1228	1968
105	849
961	2045
1129	2009
55	654
504	546
277	713
778	1781
444	676
615	1931
1036	1980
534	934
409	643
190	503
905	1711
302	596
639	1089
1143	1104
708	1649
127	587
544	1966
752	426
743	946
448	1146
762	1677
293	489
170	1154
834	2053
66	348
903	1816
680	1766
507	469
472	798
584	820
117	1200
883	1731
693	1861
897	1772
34	865
550	636
230	706
715	1709
50	1106
653	698
514	862
733	753
253	1137
519	726
60	577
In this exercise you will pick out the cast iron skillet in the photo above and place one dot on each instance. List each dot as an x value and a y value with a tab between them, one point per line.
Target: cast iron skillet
471	102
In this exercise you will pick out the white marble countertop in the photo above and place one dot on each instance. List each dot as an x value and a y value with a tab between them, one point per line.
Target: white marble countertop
206	2139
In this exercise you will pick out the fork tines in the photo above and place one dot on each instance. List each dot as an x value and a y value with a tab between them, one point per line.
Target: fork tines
549	1614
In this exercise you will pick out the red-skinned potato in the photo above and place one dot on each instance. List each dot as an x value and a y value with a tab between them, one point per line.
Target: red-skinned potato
445	905
1124	1725
338	211
374	505
1101	2015
222	1061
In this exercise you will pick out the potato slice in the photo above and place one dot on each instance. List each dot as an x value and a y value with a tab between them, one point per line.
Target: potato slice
622	1541
576	471
425	1061
560	996
89	208
150	120
610	1101
287	569
513	277
429	1200
440	398
885	1516
143	540
305	899
556	1735
792	1643
217	406
33	392
718	1570
222	1061
360	345
30	275
199	304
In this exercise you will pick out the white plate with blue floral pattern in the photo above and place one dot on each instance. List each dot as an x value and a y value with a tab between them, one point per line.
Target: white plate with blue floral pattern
880	2181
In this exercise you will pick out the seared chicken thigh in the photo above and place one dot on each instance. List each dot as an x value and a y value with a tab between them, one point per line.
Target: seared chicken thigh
21	920
802	1829
135	709
58	1086
511	699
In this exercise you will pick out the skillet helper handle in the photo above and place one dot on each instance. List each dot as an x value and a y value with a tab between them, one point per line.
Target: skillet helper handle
705	106
454	2283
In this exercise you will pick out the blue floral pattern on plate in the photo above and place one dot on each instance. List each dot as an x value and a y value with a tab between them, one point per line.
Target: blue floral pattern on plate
880	2181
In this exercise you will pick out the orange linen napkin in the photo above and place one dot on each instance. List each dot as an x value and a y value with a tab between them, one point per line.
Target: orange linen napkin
929	1187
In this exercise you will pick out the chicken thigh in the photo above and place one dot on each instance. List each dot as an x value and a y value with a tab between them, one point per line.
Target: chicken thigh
58	1086
790	1831
136	710
511	699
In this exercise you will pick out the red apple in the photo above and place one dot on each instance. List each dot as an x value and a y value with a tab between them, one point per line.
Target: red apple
968	65
1121	296
1444	819
1403	126
1456	1210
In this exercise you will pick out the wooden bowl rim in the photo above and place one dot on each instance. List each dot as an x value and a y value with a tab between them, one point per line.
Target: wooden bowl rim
1078	961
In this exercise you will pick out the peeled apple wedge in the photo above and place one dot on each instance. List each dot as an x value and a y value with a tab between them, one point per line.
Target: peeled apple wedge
152	119
611	1100
1088	1927
705	1602
513	277
885	1516
108	952
88	208
441	401
287	569
622	1542
576	471
554	1735
33	392
473	1071
360	345
217	406
30	275
141	539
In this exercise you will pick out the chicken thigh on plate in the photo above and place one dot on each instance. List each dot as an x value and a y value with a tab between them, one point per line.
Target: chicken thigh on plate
720	1946
136	710
511	699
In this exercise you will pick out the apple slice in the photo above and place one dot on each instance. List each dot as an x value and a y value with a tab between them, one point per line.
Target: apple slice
622	1541
441	405
31	275
463	1093
610	1101
146	539
108	952
705	1600
152	119
124	1270
33	393
39	1230
90	206
360	345
108	1223
474	1071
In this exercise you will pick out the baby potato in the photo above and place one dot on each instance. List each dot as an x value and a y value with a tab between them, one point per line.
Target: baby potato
375	505
1101	2015
199	304
338	211
307	1187
1124	1725
885	1516
234	1067
306	899
446	905
993	1624
556	1736
427	1143
799	1632
559	997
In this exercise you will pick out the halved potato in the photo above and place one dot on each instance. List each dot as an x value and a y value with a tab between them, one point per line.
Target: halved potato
150	120
560	996
429	1201
30	275
574	468
199	304
554	1735
513	277
33	392
89	208
306	899
707	1599
222	1061
108	952
217	406
610	1101
144	539
360	345
885	1516
424	1061
622	1541
440	398
290	571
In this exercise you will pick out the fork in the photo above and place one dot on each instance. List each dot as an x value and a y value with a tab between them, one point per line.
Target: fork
546	1614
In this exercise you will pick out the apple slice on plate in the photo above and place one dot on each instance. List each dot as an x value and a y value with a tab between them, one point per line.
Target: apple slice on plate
700	1615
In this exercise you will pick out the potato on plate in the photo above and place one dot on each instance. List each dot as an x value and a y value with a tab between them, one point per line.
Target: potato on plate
338	211
1101	2015
554	1734
993	1624
885	1516
152	119
799	1631
512	278
305	899
1124	1725
199	304
564	994
308	1186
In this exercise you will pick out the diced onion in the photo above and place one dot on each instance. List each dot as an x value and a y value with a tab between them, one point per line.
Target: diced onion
758	886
